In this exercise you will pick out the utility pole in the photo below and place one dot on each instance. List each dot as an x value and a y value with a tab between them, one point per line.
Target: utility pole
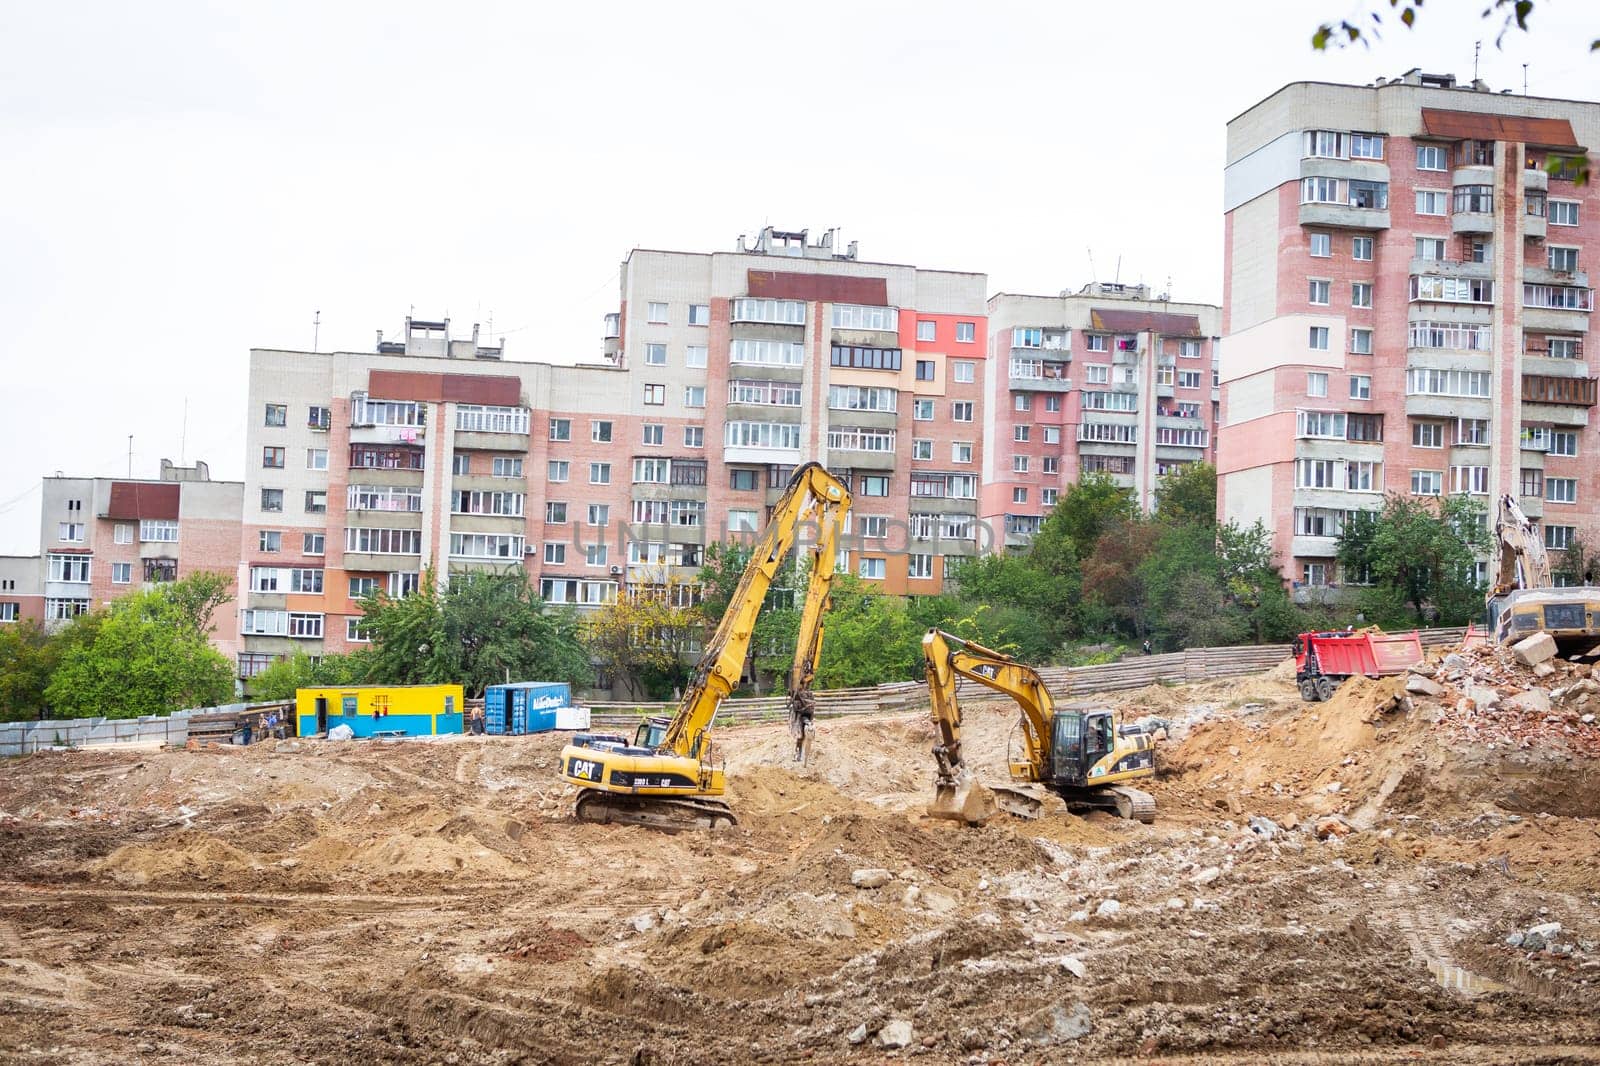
316	328
130	456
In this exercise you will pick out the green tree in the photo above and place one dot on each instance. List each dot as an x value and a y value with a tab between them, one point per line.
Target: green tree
1114	586
28	657
1081	516
643	638
1022	605
1420	558
143	657
280	680
197	598
1188	494
870	638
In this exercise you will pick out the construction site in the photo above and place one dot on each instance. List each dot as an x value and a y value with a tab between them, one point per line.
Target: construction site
1408	872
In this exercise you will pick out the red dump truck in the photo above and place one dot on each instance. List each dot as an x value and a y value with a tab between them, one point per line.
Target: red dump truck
1323	660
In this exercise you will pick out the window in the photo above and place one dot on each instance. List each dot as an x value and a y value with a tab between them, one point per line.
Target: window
555	511
506	466
1022	401
654	433
479	418
57	610
924	369
1052	434
784	435
1479	252
1562	258
919	565
1372	195
784	312
1432	157
1561	489
272	458
1020	434
1361	341
383	541
277	414
777	353
874	485
561	429
1366	146
656	313
1320	290
1431	202
700	315
1563	442
1019	495
1361	294
650	512
1472	480
313	543
1472	431
599	473
1427	482
1096	342
1110	401
927	331
600	432
599	514
1567	297
316	458
557	470
1361	249
1052	465
1314	473
743	480
1319	191
1532	483
1318	338
70	532
962	370
1164	375
1328	424
651	471
871	569
851	438
655	395
966	333
1563	212
594	555
740	521
461	463
961	452
554	552
1453	289
316	501
961	411
874	527
922	449
1052	402
655	354
272	499
1427	435
1474	198
369	412
269	540
73	568
1325	144
1558	538
123	533
1361	386
10	612
1425	382
694	356
1097	373
319	417
694	436
855	316
1431	249
1363	476
354	634
1316	384
1563	348
1321	245
1315	574
863	398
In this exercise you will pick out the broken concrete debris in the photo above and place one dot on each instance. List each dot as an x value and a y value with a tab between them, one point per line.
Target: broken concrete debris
1535	649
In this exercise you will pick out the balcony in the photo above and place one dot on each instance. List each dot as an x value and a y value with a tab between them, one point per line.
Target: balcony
1472	205
1309	547
1535	178
387	434
1538	275
1043	375
1563	391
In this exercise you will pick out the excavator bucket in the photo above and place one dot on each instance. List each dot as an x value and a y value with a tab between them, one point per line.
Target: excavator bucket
963	800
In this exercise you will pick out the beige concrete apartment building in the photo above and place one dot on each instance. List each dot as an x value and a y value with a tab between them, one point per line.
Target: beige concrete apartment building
1406	309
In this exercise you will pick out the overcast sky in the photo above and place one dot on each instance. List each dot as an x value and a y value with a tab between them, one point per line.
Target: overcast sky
184	181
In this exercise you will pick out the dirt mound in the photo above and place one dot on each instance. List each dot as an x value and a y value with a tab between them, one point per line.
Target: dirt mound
186	856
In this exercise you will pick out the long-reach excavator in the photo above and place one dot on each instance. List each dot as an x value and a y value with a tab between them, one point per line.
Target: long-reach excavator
1076	752
667	776
1524	600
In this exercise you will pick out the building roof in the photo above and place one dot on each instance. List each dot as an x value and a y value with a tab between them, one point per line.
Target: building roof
143	499
829	288
1459	125
492	389
1122	320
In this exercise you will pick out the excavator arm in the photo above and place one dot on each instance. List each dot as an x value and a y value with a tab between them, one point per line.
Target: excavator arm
808	647
1523	563
813	495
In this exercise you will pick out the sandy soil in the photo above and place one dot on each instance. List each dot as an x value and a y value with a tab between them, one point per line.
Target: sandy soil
433	902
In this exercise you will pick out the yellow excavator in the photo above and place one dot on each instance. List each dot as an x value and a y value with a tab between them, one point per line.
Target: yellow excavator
1524	599
1076	752
667	776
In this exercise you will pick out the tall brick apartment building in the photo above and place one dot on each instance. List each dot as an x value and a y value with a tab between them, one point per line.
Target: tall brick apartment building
101	538
1406	309
1105	380
720	372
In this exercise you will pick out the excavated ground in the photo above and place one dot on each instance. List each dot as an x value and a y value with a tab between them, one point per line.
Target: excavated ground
433	901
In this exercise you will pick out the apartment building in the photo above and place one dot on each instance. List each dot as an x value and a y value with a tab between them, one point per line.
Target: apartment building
1106	380
719	373
1406	307
101	538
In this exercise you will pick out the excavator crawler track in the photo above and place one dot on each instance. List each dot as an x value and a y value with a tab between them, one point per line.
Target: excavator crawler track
667	813
1124	802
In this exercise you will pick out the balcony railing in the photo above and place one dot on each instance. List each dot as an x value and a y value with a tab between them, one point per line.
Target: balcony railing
1038	370
1573	392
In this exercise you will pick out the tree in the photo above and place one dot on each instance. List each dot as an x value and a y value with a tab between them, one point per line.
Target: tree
28	657
284	677
644	638
1420	558
1188	494
1024	605
1112	582
197	598
487	627
143	657
1089	508
1579	562
870	638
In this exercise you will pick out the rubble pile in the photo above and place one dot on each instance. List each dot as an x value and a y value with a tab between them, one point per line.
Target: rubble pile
1522	697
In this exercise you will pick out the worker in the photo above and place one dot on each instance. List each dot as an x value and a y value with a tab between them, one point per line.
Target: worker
1146	647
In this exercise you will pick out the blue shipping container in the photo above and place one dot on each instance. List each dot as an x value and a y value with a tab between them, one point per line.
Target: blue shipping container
524	707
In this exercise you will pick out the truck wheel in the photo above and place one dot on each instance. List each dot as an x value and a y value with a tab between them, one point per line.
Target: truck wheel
1308	691
1324	688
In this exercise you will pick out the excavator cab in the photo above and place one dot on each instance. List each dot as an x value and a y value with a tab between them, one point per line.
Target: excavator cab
651	734
1066	747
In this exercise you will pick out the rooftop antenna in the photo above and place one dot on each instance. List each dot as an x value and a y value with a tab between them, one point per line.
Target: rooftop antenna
1117	280
1524	79
1477	46
316	329
130	456
1093	277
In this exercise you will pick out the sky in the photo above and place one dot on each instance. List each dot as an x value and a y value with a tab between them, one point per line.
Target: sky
183	181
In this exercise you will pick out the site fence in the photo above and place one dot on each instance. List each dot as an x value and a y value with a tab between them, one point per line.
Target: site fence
1063	683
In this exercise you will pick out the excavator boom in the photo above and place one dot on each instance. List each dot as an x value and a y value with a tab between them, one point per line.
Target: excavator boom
1524	599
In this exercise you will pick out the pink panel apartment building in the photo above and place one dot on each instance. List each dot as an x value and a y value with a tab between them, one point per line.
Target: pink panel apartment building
1406	309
